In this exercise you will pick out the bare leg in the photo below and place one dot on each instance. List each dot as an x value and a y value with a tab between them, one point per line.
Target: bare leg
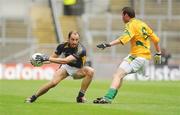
115	85
118	79
87	73
58	76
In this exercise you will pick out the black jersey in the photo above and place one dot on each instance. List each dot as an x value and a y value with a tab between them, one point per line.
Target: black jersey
79	53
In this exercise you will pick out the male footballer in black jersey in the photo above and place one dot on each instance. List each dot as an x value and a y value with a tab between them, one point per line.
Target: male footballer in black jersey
71	65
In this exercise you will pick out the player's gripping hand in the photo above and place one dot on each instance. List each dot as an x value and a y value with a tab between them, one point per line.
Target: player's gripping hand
157	58
103	45
41	58
37	59
44	57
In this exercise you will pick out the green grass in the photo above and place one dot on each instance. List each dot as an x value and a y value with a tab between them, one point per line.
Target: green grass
134	98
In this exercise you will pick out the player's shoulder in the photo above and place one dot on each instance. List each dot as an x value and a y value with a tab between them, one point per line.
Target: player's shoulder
137	22
133	22
81	48
81	45
145	24
142	22
62	45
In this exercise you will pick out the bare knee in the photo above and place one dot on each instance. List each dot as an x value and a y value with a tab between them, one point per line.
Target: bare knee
89	72
120	74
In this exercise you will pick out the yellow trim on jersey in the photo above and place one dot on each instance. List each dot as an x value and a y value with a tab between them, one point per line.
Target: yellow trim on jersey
84	60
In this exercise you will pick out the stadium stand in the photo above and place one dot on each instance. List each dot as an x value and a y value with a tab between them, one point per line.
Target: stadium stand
10	50
115	6
14	29
171	25
152	7
43	28
68	23
176	8
13	32
102	22
0	29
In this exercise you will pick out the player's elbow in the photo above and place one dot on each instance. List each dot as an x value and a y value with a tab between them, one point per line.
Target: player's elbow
69	59
156	43
65	61
154	38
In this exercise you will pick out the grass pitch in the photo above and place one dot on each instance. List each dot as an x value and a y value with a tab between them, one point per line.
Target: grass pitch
134	98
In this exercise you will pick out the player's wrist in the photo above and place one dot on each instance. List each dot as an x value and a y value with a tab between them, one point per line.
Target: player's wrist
50	59
108	45
45	58
158	53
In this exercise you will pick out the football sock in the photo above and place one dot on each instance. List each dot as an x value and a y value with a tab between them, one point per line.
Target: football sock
34	97
81	94
111	93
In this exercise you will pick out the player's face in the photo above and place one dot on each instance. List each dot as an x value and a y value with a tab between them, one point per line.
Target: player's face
125	18
74	40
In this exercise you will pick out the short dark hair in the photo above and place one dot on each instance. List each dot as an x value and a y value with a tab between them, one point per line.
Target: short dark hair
71	32
129	11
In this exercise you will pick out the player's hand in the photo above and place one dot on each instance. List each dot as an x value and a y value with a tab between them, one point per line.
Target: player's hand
157	58
42	58
45	58
103	45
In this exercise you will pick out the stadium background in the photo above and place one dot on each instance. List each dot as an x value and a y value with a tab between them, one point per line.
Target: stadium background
29	26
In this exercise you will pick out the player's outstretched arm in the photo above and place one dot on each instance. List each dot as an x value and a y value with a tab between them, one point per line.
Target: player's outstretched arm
66	60
157	56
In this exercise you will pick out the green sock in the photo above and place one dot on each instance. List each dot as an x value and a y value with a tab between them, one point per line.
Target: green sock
111	93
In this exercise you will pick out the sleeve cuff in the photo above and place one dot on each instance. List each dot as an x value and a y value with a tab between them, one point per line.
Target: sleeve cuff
121	42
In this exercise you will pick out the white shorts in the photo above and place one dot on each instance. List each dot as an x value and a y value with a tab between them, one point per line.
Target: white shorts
70	70
132	64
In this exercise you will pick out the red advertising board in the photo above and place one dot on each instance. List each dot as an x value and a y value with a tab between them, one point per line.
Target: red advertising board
27	71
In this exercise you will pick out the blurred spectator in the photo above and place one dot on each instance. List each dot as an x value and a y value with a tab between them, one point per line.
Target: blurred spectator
68	6
73	7
165	56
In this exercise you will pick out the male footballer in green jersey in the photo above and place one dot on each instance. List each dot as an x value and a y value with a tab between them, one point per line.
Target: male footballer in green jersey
139	34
